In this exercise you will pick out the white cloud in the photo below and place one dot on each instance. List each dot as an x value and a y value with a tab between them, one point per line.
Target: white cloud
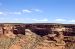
60	20
18	13
64	21
10	13
26	11
42	20
16	19
1	13
37	10
31	10
71	20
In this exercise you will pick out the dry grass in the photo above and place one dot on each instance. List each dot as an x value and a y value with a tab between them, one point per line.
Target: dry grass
31	42
6	42
71	44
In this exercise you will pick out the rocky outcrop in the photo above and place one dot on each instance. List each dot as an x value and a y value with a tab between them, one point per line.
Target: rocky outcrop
38	36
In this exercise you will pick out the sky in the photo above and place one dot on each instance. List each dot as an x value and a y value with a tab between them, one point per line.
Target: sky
37	11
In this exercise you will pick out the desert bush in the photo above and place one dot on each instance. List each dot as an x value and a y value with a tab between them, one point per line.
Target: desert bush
71	44
5	43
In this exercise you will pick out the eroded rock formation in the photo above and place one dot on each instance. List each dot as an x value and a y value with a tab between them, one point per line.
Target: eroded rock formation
53	36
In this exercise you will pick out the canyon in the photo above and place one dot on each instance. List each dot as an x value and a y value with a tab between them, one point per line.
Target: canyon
50	35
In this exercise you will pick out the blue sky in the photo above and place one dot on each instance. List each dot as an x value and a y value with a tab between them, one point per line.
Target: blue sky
37	11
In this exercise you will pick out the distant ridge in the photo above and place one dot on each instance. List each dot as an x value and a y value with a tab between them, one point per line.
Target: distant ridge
38	23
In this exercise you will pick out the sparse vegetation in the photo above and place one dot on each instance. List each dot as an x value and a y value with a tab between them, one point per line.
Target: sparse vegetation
6	42
33	42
